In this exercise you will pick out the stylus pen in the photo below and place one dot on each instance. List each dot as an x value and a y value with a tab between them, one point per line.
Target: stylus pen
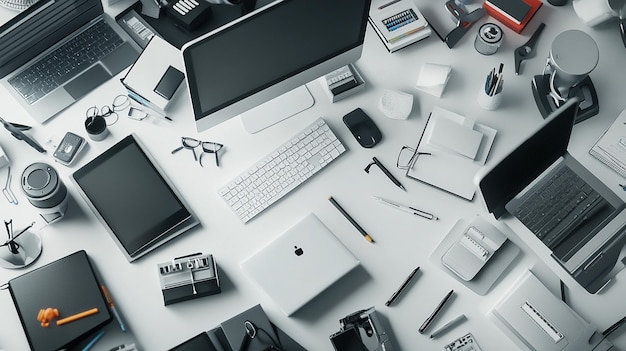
349	218
93	341
451	324
433	315
402	287
107	295
386	171
407	209
614	327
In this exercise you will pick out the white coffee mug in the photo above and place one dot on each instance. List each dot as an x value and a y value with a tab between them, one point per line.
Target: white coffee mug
594	12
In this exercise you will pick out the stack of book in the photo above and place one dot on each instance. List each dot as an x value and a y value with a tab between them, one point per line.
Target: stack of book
514	14
398	23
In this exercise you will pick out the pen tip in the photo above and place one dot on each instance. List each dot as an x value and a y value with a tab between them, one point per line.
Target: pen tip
369	238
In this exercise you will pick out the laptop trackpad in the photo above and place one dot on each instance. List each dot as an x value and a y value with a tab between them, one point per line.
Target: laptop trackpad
87	81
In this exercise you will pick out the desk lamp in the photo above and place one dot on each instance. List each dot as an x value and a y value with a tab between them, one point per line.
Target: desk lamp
573	55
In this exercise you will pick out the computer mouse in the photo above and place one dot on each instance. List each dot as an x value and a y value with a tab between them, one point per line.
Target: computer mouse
557	2
363	128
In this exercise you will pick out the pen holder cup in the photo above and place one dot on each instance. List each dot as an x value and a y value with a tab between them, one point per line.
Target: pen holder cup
489	101
96	128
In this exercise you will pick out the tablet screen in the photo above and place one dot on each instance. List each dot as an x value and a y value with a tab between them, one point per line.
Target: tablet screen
131	196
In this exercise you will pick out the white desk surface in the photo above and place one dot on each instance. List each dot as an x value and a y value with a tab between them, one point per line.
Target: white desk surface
402	241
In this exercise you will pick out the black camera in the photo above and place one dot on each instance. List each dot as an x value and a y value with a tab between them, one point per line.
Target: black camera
361	331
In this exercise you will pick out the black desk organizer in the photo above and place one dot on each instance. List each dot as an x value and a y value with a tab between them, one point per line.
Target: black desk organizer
176	35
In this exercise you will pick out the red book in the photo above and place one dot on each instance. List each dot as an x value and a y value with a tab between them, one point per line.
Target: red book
507	19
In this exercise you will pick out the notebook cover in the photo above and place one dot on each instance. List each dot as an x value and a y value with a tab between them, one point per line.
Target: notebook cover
517	27
234	330
68	284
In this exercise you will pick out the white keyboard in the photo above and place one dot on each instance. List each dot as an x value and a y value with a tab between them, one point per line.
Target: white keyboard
282	170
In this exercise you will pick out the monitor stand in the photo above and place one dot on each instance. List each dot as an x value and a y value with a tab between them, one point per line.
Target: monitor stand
277	109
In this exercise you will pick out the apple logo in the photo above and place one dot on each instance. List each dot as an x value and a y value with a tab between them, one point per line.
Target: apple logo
298	251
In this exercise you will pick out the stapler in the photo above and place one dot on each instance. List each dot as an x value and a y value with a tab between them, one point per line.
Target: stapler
465	21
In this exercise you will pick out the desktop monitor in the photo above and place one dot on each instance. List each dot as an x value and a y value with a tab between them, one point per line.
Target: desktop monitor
261	61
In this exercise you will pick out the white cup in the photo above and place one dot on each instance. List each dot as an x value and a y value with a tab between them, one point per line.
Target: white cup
594	12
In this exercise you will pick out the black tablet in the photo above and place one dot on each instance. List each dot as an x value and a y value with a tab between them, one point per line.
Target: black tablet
132	198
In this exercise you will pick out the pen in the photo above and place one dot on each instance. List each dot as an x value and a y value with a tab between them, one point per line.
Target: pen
93	341
448	325
614	327
112	306
17	133
354	223
401	288
388	4
432	316
386	171
407	209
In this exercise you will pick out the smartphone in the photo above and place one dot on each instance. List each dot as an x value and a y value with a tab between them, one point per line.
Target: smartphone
68	148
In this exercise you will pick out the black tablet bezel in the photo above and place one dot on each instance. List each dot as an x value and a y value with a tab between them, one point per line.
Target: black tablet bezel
159	232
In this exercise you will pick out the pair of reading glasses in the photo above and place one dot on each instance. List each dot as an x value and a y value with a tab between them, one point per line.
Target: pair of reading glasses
120	103
408	156
254	332
208	147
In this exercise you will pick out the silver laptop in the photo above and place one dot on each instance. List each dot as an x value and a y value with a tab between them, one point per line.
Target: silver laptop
299	264
578	218
56	51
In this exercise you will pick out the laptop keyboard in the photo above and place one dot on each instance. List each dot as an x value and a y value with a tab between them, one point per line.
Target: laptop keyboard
66	62
559	207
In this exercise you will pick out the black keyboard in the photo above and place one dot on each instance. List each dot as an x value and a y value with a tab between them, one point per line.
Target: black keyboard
66	62
561	204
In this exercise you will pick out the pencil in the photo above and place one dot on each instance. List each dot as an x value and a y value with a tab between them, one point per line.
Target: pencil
354	223
77	316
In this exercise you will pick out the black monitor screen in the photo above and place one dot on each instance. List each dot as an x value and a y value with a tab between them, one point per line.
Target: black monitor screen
264	49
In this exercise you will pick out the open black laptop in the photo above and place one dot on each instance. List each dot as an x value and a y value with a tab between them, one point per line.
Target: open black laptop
578	218
56	51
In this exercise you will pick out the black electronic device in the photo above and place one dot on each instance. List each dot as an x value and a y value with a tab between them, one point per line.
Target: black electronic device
132	198
361	331
188	277
188	14
362	128
68	148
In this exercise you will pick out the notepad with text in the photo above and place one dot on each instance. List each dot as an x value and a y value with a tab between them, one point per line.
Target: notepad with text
458	148
610	148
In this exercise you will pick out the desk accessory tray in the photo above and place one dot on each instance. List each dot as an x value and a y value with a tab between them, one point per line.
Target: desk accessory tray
188	277
486	278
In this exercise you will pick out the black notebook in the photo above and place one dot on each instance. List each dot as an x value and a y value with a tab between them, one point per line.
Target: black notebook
69	285
516	10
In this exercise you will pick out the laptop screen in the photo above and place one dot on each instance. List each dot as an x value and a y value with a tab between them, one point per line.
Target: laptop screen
529	159
39	27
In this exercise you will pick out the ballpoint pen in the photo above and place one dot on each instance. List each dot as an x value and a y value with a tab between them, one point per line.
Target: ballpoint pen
16	131
407	209
386	171
402	287
447	326
432	316
112	306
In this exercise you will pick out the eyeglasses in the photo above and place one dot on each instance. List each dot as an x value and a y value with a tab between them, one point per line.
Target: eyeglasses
208	147
408	156
120	103
253	332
